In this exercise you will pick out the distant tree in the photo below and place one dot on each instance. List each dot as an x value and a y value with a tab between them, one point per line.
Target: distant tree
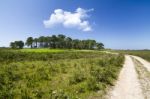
35	42
20	44
49	40
68	42
61	41
100	46
17	44
54	41
91	44
29	41
12	45
46	42
75	44
41	41
85	44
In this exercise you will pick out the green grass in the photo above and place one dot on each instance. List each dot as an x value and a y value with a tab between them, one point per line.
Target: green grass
43	50
62	75
47	50
142	53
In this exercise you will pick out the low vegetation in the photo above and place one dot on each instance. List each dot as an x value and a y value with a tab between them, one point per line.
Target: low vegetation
142	53
56	75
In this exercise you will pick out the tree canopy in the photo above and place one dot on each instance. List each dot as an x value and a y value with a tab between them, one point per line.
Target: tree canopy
60	41
17	44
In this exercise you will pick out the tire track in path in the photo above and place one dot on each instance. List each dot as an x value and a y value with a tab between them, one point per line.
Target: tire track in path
128	85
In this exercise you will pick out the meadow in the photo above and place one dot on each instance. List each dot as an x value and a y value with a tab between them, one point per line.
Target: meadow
42	50
141	53
57	74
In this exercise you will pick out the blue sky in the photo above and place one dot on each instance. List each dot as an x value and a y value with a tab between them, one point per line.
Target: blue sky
119	24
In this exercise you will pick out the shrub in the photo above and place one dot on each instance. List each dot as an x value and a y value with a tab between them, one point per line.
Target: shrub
31	75
78	76
92	84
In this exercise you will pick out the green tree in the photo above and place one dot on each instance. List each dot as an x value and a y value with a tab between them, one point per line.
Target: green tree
29	41
17	44
61	41
46	41
35	42
12	45
91	44
75	44
100	46
41	41
20	44
68	42
54	40
49	41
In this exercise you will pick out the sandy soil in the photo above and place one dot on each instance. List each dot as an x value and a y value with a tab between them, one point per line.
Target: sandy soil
145	63
144	78
128	85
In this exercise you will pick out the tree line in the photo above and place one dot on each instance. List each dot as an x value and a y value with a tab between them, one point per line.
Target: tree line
58	41
17	44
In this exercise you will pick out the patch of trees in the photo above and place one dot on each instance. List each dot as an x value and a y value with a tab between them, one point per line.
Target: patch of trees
62	42
17	44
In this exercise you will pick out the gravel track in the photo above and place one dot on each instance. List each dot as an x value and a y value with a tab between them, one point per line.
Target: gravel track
128	85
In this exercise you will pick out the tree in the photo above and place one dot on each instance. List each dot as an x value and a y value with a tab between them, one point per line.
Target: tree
49	41
46	41
12	45
68	42
61	41
29	41
17	44
35	42
75	44
41	41
20	44
100	46
54	39
91	44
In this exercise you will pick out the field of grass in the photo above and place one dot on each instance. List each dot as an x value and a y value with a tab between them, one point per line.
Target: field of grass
58	75
142	53
43	50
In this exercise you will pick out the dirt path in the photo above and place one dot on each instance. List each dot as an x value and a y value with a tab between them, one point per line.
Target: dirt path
145	63
128	85
142	68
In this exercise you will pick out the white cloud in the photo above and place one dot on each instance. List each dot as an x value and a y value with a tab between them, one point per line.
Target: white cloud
68	19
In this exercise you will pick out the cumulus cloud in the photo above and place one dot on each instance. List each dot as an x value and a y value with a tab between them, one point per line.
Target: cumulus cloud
68	19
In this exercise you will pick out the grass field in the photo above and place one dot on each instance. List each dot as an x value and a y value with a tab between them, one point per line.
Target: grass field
142	53
63	74
43	50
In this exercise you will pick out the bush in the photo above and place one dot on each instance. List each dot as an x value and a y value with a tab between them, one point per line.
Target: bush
92	84
77	77
43	75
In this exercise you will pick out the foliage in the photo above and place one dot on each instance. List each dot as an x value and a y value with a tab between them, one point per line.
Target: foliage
142	53
29	41
43	50
62	42
63	75
17	44
8	55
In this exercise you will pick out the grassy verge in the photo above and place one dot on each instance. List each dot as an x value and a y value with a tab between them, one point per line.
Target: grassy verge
65	75
43	50
144	78
17	55
142	53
